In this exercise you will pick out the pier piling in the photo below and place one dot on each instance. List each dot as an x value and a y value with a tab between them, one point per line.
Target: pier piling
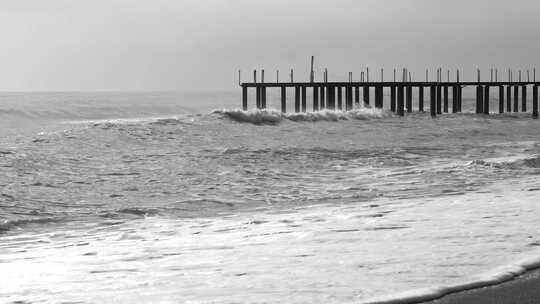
524	98
258	97
339	98
501	99
445	101
400	101
244	98
315	99
509	99
393	97
535	102
304	101
297	99
433	100
421	99
454	99
439	100
409	99
321	103
263	97
349	105
479	99
378	97
366	95
283	99
516	98
486	100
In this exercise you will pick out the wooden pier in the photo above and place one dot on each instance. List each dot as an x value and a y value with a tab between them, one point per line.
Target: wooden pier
346	95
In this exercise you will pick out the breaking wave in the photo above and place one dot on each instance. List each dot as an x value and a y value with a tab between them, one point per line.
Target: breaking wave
272	116
8	225
517	162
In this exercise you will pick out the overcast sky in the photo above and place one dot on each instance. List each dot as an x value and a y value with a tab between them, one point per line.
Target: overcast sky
200	44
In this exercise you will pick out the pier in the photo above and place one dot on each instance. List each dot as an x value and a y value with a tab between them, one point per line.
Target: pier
444	96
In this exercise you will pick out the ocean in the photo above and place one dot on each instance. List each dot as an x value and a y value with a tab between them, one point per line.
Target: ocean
168	197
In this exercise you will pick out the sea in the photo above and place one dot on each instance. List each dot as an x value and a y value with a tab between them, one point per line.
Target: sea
182	197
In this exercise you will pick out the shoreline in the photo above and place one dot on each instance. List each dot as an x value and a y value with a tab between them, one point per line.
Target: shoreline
523	289
519	280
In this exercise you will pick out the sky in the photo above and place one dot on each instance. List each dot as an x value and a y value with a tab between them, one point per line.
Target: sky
192	45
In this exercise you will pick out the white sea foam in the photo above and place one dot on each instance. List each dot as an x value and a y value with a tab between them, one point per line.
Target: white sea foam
273	116
328	253
498	276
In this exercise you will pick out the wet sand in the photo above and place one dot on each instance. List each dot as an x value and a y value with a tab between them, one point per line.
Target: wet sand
522	290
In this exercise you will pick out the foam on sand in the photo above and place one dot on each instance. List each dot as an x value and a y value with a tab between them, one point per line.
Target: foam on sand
498	276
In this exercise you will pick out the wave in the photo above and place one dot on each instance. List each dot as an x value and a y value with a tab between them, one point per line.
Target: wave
8	225
516	162
273	116
500	275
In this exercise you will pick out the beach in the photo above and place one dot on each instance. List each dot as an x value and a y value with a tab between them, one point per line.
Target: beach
522	290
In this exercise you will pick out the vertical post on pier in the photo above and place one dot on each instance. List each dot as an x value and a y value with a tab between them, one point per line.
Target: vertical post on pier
315	98
366	95
516	98
350	99
420	99
347	94
357	95
244	98
535	102
263	97
460	98
283	99
377	97
321	99
486	100
454	99
296	99
439	99
479	99
409	98
339	98
381	96
401	104
446	98
501	99
393	98
509	99
328	100
433	100
304	102
258	97
524	98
